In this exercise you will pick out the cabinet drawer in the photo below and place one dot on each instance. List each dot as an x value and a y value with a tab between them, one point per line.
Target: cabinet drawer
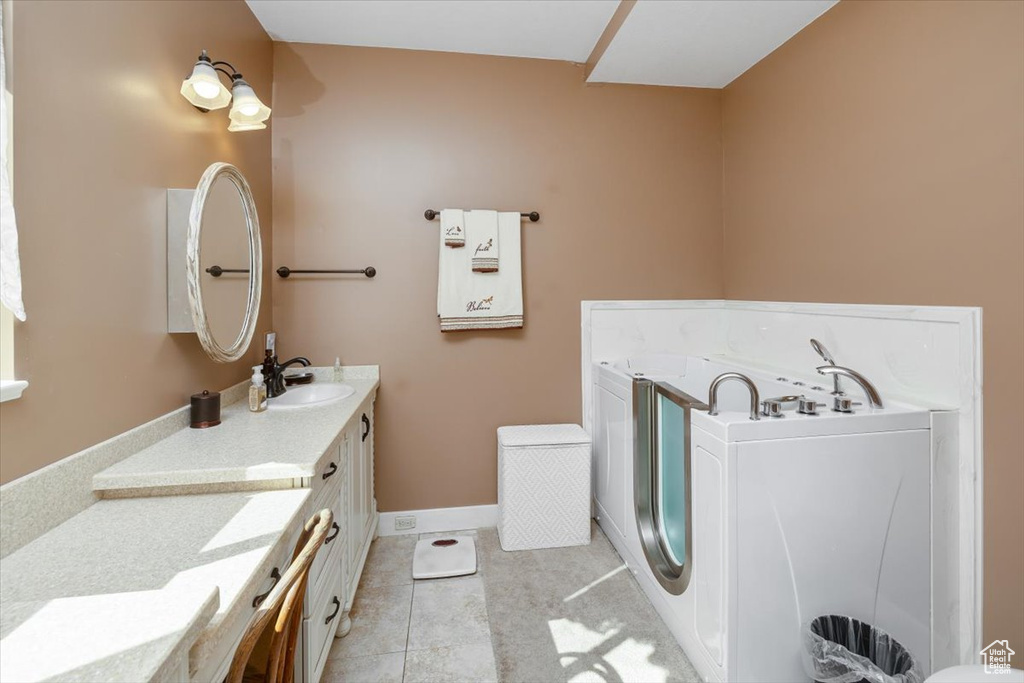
331	469
216	662
319	627
327	494
330	553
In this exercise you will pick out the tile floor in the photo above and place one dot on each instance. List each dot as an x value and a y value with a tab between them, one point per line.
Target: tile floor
565	614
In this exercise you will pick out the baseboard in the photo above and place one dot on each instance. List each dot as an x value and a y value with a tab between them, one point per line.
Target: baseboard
440	520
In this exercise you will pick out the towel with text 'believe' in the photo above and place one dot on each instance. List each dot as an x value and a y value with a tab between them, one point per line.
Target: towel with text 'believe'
467	300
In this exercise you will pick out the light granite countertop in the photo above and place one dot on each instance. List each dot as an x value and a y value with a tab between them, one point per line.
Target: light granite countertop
223	542
245	449
55	640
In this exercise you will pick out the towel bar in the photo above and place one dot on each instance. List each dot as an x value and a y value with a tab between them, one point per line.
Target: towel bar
285	271
217	271
431	214
368	271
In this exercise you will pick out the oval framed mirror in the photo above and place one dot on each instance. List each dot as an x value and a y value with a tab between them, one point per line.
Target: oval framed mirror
224	260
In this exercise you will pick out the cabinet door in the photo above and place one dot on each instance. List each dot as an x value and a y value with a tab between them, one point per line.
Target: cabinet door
355	494
344	495
366	464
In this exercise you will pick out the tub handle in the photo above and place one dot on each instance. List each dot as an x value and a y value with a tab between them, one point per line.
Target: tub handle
755	396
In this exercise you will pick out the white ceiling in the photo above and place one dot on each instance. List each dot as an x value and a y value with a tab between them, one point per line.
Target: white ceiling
698	43
546	29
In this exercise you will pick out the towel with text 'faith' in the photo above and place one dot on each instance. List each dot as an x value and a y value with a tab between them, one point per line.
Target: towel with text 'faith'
482	233
467	300
453	227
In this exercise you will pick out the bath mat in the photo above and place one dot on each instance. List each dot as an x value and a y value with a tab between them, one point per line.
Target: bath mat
438	558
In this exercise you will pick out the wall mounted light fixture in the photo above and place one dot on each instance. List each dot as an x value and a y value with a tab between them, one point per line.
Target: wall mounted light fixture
205	91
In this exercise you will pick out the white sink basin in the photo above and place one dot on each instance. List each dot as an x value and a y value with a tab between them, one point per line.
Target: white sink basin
311	395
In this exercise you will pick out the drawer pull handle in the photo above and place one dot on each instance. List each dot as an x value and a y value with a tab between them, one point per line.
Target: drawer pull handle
337	530
366	424
337	608
276	576
331	470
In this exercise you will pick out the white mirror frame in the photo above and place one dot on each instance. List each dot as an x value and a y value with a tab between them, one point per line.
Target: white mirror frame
195	293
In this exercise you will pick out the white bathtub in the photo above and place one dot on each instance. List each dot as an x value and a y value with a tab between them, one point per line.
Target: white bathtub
789	518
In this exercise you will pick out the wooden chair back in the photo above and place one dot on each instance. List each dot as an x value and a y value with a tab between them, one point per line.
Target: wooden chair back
284	607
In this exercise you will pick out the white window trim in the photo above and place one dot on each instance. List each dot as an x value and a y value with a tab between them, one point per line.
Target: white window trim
10	388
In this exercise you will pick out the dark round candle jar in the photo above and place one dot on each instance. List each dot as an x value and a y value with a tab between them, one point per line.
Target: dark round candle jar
205	410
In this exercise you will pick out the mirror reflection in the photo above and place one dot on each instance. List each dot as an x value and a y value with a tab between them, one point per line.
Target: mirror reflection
224	244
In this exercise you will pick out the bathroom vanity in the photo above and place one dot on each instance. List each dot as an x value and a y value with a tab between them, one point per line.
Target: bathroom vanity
191	529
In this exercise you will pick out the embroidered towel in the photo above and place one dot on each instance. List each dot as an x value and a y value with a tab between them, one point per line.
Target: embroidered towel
482	230
453	227
481	301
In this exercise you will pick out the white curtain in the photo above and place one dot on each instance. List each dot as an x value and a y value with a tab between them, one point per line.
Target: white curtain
10	266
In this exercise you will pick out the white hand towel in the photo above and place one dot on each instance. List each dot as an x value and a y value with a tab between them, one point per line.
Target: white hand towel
453	227
482	301
482	231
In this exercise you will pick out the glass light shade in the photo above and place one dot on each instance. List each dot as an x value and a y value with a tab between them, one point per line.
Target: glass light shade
246	108
236	127
204	89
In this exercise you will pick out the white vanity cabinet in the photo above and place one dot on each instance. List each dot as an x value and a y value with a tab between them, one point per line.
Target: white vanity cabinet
325	590
361	506
343	483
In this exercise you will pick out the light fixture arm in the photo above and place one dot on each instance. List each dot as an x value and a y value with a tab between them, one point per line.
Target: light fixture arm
227	64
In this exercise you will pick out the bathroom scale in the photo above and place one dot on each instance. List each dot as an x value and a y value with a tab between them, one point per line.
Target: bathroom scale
438	558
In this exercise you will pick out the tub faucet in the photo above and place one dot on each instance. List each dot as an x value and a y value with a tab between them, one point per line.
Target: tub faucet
835	370
820	349
755	397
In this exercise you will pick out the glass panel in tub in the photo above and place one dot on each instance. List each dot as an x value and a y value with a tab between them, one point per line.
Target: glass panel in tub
662	488
672	500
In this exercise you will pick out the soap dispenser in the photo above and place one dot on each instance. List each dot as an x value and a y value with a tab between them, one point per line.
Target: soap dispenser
338	374
258	391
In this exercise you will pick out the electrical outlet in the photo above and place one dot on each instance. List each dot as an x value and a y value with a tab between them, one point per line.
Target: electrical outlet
406	522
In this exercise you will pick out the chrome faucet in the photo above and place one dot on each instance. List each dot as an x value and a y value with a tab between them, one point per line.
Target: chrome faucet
755	397
820	349
836	370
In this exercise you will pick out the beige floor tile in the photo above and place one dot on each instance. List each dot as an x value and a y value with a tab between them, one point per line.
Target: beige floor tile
575	614
387	668
448	613
389	562
473	663
563	614
380	622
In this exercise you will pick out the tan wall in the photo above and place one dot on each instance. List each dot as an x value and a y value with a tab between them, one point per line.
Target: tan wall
878	157
100	132
628	184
